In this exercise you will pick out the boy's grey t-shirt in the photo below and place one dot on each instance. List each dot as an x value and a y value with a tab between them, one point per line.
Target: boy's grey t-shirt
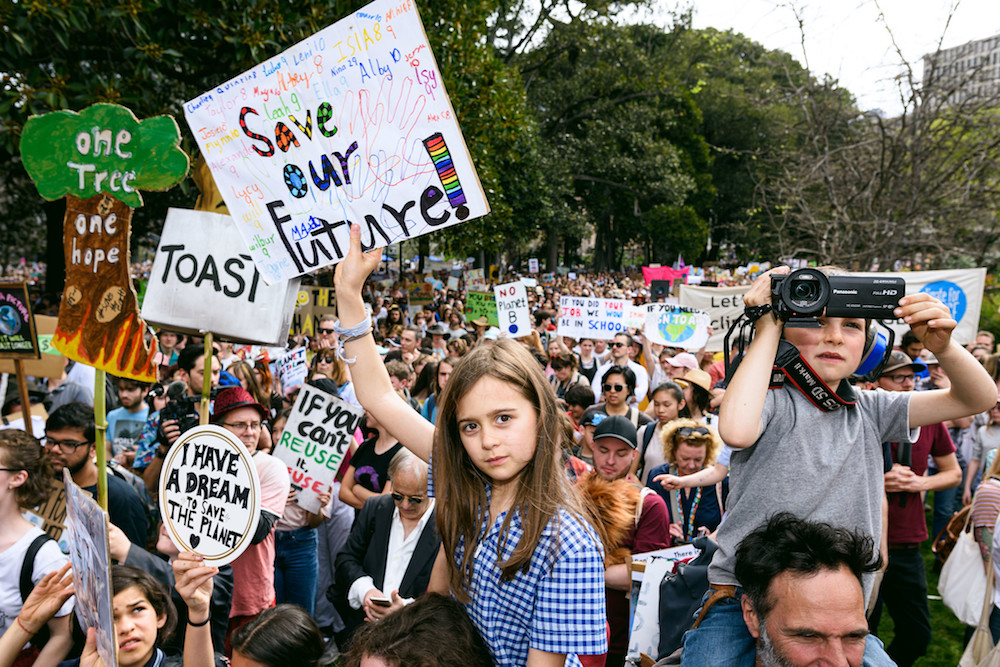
822	466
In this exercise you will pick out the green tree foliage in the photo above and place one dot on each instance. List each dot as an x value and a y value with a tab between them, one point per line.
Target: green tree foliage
619	137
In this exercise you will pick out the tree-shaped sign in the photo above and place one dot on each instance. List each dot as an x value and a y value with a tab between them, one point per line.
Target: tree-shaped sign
100	159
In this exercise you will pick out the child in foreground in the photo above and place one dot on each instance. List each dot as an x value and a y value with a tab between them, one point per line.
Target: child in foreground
822	466
516	549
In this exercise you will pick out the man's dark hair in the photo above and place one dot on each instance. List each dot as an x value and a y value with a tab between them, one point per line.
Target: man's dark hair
625	372
541	316
909	338
580	394
401	370
129	383
190	354
73	415
282	635
434	630
787	543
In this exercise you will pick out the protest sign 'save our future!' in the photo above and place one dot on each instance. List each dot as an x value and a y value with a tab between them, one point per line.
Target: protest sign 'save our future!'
210	494
351	125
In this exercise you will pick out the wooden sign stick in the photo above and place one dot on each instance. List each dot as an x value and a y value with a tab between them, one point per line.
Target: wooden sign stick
206	383
100	430
22	392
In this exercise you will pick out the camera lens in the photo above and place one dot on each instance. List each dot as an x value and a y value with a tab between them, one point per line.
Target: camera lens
804	291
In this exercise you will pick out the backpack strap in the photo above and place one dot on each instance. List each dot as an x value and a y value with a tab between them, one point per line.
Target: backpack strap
647	437
645	491
28	566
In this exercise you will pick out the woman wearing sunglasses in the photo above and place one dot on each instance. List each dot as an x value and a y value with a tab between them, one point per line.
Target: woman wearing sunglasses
389	555
690	447
618	385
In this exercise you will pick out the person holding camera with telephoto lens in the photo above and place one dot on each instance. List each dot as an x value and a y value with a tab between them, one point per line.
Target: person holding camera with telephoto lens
805	441
179	415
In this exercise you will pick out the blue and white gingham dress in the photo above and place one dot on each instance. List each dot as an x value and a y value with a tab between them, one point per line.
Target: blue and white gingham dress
557	606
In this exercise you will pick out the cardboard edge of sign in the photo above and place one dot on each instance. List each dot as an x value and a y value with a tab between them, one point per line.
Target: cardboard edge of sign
183	545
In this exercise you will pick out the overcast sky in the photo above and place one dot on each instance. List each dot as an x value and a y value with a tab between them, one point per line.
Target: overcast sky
846	39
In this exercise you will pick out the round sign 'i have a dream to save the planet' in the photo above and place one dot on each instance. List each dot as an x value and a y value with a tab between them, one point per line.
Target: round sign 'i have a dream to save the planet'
210	495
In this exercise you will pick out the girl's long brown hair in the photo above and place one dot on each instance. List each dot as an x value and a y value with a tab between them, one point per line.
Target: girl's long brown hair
543	487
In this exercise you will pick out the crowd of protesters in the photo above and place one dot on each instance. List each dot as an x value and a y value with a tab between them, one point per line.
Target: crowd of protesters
489	506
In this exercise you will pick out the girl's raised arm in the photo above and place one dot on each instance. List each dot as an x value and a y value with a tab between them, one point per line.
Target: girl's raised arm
371	381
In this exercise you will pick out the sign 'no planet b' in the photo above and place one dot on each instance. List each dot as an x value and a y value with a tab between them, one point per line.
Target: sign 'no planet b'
351	125
210	495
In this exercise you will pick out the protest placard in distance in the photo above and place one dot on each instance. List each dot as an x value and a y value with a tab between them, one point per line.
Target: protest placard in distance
291	370
475	278
351	125
677	326
210	494
90	554
18	339
203	279
533	265
312	304
318	433
421	294
51	362
585	317
512	309
481	304
723	304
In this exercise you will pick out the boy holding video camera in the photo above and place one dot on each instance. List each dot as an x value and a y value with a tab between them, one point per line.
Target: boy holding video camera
817	451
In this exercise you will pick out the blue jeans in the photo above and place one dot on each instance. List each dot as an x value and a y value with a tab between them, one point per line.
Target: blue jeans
295	567
722	640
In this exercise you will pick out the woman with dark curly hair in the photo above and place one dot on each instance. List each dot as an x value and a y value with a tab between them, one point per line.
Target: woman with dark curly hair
25	481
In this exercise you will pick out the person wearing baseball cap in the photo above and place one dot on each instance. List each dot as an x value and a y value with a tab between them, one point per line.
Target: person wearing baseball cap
253	572
904	584
614	449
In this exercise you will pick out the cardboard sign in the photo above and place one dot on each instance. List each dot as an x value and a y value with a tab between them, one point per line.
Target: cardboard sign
204	280
50	363
91	557
422	294
50	516
99	322
583	317
512	309
312	304
677	326
452	282
292	369
210	495
533	265
317	435
351	125
481	304
18	339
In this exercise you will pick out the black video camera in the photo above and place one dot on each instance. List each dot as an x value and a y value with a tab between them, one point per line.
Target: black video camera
182	408
809	293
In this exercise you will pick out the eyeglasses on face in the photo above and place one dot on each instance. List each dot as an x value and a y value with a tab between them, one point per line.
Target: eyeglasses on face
613	387
901	378
11	469
617	344
323	330
66	446
414	500
239	427
688	430
325	359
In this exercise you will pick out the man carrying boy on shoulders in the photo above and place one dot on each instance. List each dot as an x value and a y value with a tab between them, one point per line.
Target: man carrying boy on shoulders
819	463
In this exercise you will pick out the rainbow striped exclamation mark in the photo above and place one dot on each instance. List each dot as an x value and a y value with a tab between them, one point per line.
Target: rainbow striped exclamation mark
438	150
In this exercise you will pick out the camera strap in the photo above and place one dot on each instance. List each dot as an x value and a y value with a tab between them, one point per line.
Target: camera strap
791	367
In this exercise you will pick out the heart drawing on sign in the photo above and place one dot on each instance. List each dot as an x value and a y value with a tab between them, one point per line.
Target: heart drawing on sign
195	539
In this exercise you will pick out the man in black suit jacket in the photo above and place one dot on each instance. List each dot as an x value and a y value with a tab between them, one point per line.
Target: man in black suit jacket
390	553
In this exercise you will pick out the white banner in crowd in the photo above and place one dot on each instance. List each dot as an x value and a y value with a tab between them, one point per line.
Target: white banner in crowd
317	435
512	309
203	279
723	305
351	125
676	326
584	317
210	495
291	370
960	289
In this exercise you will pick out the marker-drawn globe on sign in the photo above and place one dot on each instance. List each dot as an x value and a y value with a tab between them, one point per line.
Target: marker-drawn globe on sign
677	327
10	320
950	295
